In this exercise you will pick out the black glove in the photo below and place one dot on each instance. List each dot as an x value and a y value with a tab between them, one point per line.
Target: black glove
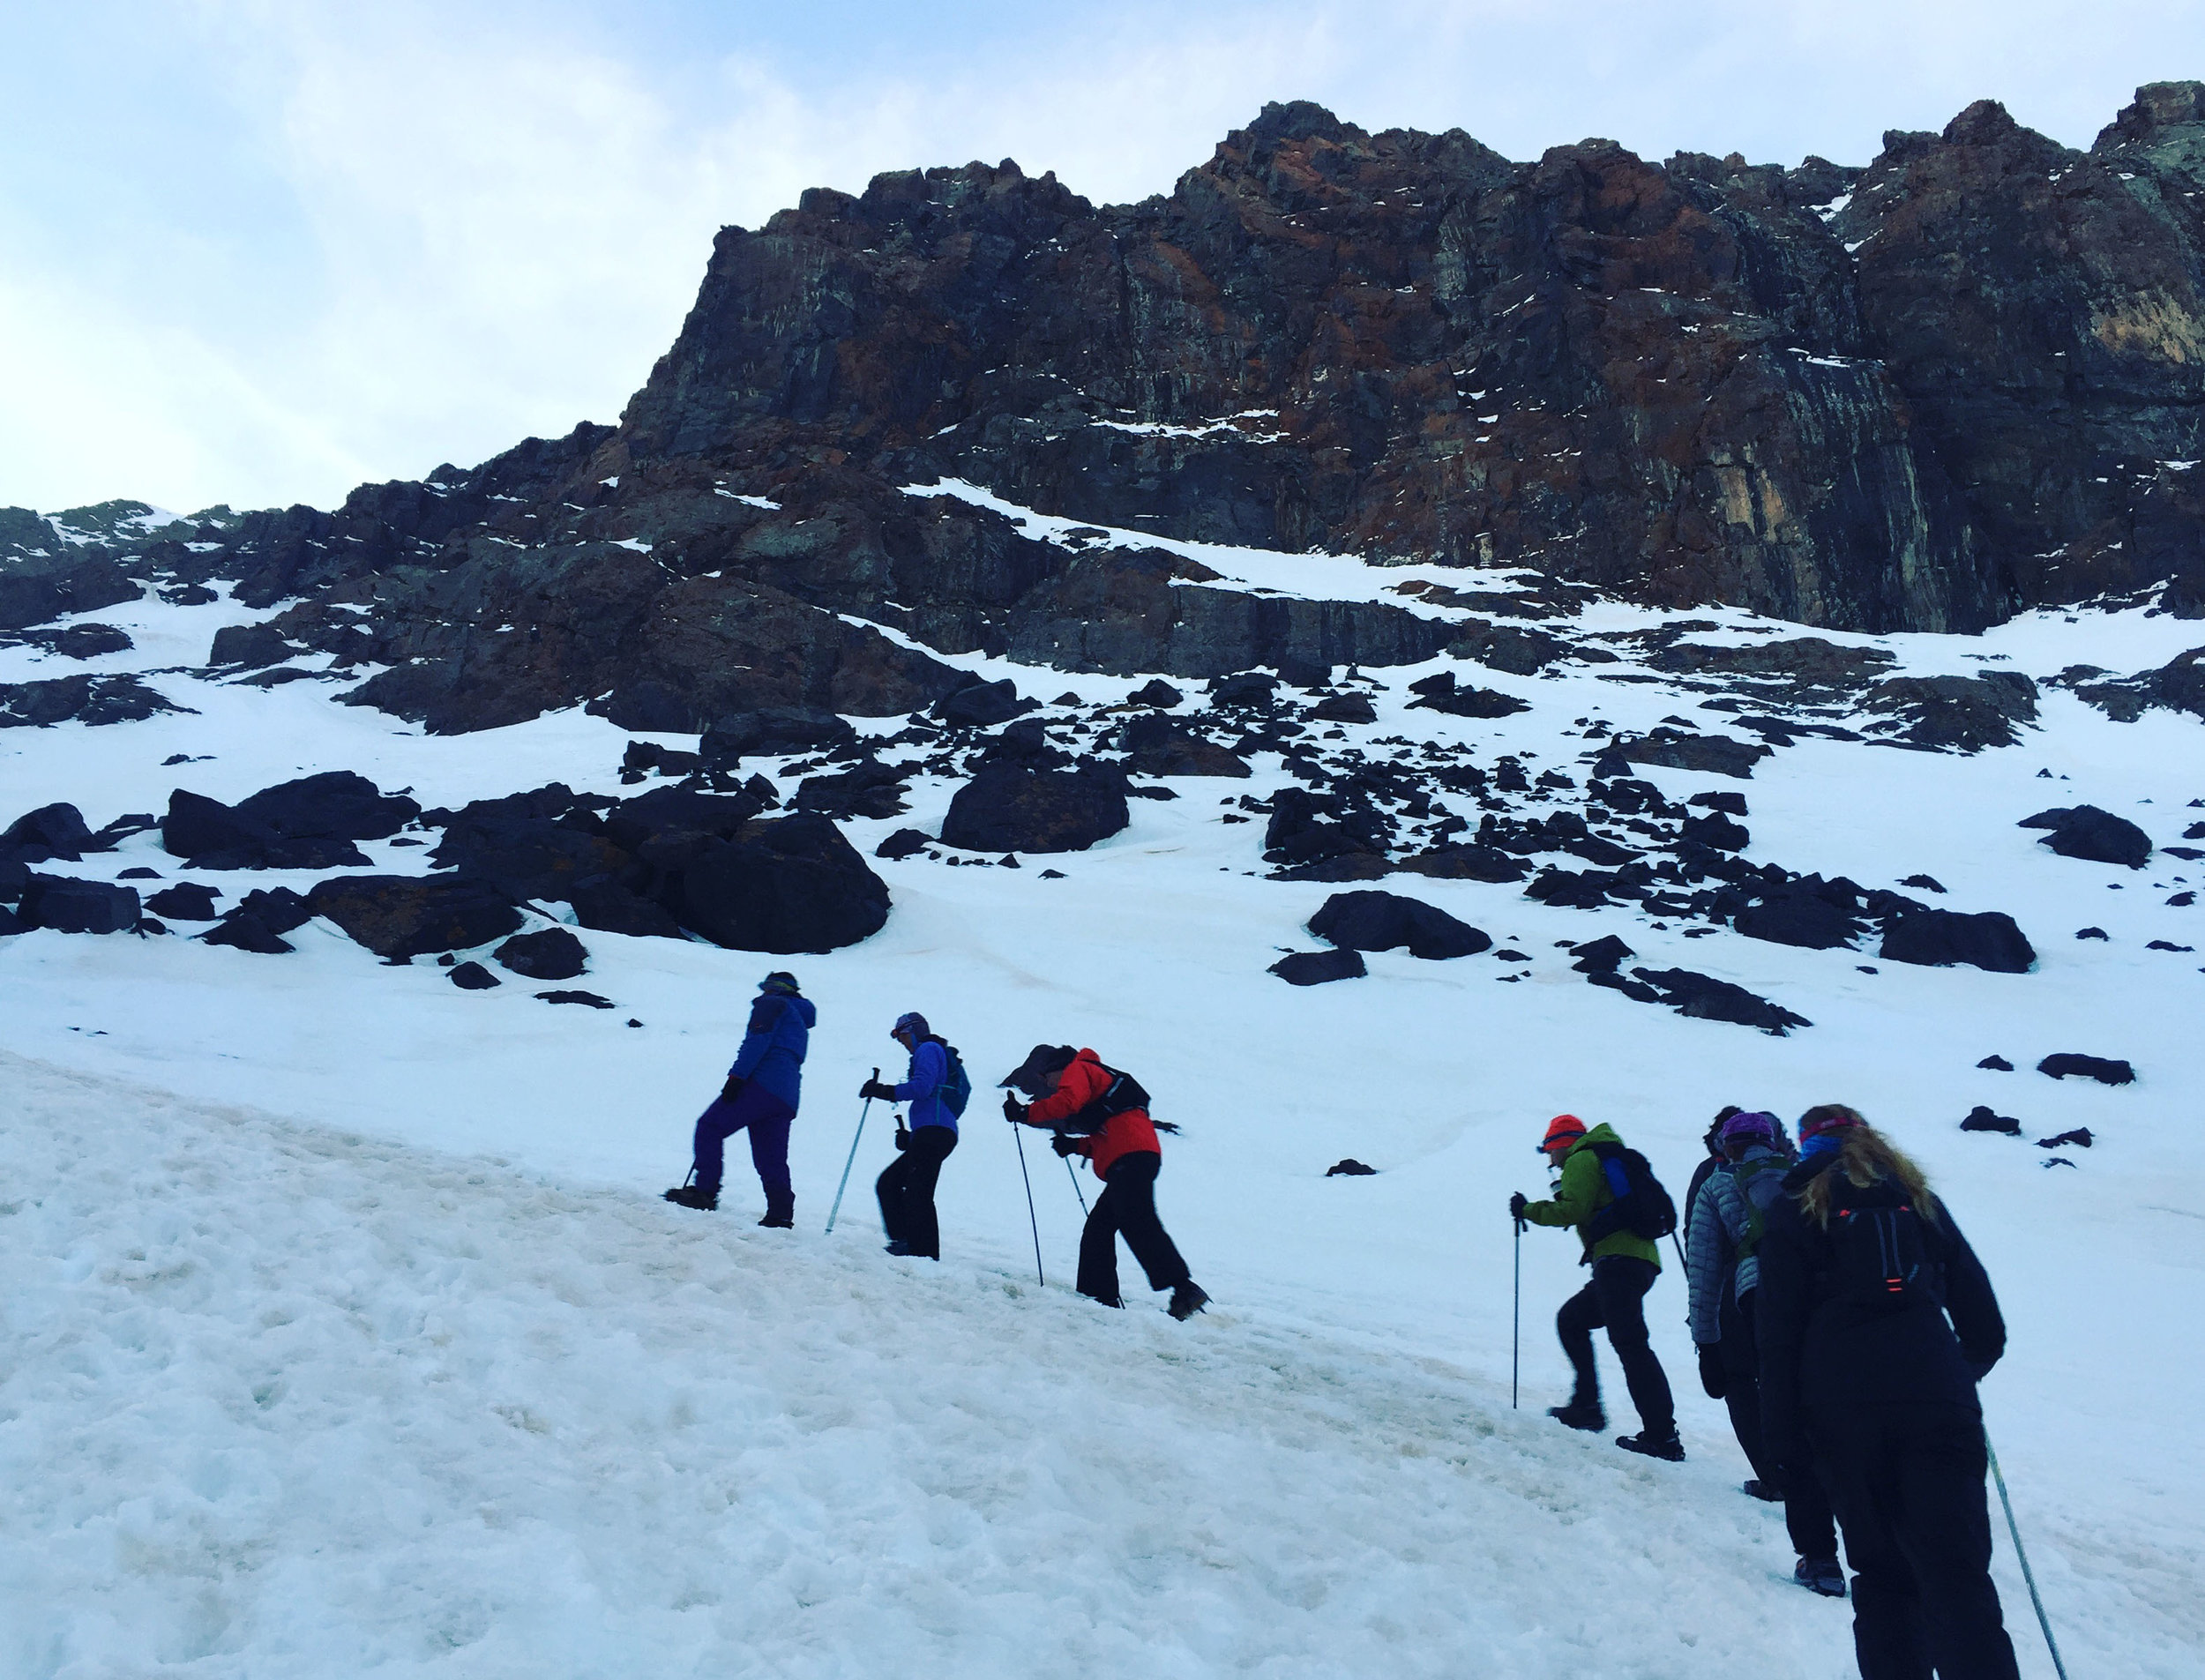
1516	1205
1711	1373
1064	1144
903	1139
732	1089
1013	1110
873	1088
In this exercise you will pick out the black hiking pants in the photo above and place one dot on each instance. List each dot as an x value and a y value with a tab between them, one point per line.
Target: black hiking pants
907	1190
1616	1299
1127	1207
1807	1506
1908	1484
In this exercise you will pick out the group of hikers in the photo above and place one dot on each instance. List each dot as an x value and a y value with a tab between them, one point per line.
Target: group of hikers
1835	1306
1841	1316
1088	1109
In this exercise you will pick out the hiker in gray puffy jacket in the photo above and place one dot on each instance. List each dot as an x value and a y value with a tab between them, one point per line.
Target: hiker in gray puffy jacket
1720	1271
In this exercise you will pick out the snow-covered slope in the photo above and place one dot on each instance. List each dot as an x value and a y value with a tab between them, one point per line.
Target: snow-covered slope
345	1333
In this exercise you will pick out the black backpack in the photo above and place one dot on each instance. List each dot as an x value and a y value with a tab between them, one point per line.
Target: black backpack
1124	1092
1637	1204
1881	1256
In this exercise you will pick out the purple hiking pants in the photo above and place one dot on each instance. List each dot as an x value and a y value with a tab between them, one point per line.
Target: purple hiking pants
766	1117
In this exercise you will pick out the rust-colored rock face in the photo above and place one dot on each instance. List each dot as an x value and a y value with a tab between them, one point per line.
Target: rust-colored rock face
1964	380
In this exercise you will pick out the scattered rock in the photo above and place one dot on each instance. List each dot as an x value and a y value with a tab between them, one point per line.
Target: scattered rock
1349	1168
1731	804
1466	863
472	977
1247	690
1716	832
1156	745
1959	714
277	908
1344	708
1927	883
1008	809
1371	921
64	904
1316	968
1939	938
589	998
1446	694
1155	692
1996	1064
243	932
1600	956
774	732
2080	1137
2104	1070
1804	918
2096	836
405	915
2091	933
251	647
210	835
1980	1118
83	641
869	790
904	842
2167	944
52	834
551	954
335	805
1720	755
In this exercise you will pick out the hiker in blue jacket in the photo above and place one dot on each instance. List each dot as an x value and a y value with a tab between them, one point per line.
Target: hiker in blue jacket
907	1188
760	1096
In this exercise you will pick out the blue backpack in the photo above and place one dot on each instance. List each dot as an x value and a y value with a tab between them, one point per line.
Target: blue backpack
955	1089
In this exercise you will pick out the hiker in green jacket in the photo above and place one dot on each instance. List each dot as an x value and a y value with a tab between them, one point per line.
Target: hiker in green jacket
1625	1266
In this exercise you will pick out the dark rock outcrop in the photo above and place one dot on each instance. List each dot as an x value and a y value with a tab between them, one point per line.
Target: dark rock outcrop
1940	938
1009	809
1156	745
56	833
1317	967
1372	920
185	902
552	953
64	904
2105	1069
1962	714
783	884
472	977
80	699
2094	835
1980	1118
405	915
210	835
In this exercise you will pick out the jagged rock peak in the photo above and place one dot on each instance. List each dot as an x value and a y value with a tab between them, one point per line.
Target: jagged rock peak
2157	108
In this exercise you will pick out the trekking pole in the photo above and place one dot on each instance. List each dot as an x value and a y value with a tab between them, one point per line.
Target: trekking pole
1031	1221
852	1162
2028	1575
1076	1191
1515	1322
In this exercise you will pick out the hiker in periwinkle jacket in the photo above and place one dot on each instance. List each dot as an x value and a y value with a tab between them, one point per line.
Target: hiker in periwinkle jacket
1876	1321
1723	1267
906	1189
1625	1266
760	1096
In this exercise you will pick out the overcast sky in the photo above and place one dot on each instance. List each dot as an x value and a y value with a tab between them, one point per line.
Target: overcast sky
256	253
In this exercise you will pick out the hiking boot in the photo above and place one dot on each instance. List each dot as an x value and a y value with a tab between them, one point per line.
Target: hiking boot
779	1221
1579	1414
1823	1575
1757	1488
899	1247
690	1196
1187	1300
1665	1445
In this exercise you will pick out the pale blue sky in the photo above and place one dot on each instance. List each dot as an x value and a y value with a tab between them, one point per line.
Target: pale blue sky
256	252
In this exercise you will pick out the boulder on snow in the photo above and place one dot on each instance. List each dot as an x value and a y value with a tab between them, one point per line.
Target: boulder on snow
2080	1137
1960	713
1156	692
64	904
472	977
1730	803
587	999
2104	1070
774	732
1715	831
1315	967
338	804
1980	1118
904	842
1996	1064
405	915
91	700
210	835
1939	938
1707	998
1445	693
1719	755
534	857
869	790
1797	918
782	885
1007	808
981	706
1373	921
1156	745
1243	689
551	954
185	902
1600	956
1469	862
2094	835
251	647
242	931
603	905
1344	708
52	834
1350	1168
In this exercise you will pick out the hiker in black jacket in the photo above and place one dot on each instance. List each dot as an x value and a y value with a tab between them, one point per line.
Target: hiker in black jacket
1875	1321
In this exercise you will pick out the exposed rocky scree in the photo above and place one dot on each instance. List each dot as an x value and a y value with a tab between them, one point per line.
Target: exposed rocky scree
1964	379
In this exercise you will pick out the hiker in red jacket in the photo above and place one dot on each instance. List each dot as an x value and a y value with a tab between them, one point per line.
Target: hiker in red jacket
1103	1114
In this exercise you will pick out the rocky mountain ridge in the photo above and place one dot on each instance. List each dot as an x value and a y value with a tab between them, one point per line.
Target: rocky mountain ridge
1963	381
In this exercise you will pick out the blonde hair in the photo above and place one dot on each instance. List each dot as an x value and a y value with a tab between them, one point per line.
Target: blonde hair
1864	1156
